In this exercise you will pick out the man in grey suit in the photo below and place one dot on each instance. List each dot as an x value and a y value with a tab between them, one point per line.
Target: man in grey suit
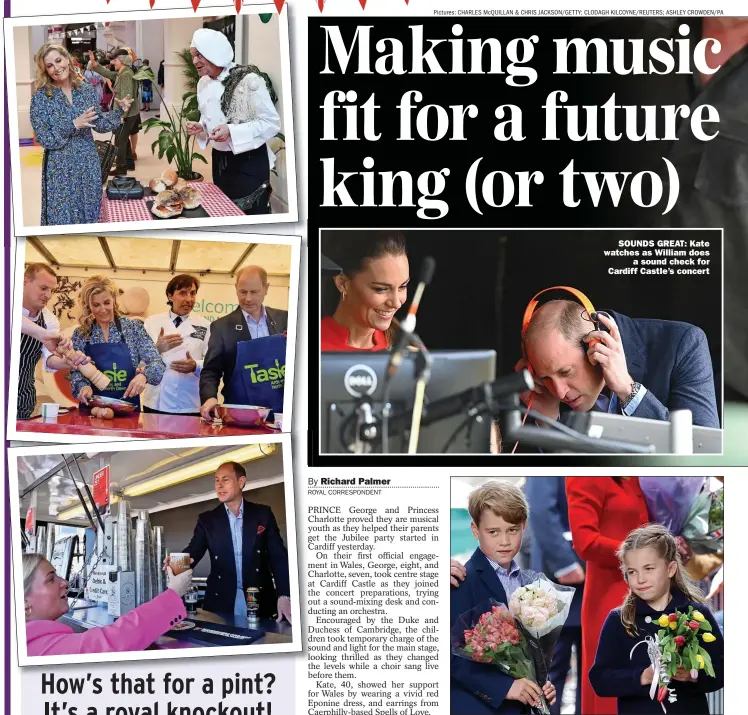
251	320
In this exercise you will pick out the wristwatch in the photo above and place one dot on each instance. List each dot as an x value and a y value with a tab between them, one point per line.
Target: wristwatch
635	387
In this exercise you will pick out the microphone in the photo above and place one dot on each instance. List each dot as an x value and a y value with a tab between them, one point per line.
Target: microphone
408	326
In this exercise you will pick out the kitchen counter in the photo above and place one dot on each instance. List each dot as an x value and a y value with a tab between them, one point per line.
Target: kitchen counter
87	615
139	425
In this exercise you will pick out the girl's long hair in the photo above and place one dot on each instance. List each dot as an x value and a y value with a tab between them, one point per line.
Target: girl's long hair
658	538
43	80
352	250
93	286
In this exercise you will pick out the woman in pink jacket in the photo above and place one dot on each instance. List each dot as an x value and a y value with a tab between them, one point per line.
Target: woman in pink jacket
46	599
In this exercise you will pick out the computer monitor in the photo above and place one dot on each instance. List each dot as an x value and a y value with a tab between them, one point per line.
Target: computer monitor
706	440
347	378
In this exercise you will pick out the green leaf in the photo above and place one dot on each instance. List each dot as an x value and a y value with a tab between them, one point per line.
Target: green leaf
170	152
708	667
187	95
705	626
153	147
196	155
165	139
143	73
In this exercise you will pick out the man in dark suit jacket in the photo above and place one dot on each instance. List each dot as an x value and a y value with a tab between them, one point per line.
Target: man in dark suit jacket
239	534
553	555
251	320
641	368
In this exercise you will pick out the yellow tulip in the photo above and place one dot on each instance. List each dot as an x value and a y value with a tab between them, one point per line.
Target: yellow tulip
663	620
673	625
700	661
697	616
708	638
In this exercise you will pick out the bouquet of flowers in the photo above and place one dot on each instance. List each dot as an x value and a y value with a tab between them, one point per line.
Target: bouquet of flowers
694	514
542	608
676	645
489	634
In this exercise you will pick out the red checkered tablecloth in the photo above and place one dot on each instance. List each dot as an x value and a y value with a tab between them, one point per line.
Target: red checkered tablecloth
214	201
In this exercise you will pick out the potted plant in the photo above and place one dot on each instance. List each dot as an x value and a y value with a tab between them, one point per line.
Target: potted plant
173	140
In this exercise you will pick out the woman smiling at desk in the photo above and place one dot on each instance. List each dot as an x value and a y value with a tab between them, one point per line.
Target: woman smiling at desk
367	293
45	599
117	345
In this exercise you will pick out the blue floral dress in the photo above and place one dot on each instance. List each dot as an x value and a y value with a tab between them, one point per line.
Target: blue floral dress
71	174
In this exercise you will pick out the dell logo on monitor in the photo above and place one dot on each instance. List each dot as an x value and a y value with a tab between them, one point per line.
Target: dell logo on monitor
360	380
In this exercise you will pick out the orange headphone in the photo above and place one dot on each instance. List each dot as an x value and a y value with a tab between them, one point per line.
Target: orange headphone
533	305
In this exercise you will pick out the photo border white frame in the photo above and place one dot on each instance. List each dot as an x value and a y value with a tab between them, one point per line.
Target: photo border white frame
19	627
218	237
21	229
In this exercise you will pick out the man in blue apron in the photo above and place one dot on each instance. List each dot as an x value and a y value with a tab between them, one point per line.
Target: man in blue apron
247	349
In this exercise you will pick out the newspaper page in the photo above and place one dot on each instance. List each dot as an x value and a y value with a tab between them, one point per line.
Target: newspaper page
312	307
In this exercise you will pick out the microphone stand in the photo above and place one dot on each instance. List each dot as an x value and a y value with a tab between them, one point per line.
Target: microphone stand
423	375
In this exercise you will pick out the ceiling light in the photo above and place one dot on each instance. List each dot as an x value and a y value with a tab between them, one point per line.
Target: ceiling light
192	471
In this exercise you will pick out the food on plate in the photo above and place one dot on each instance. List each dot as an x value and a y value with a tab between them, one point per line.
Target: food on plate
157	186
169	177
167	180
167	204
190	197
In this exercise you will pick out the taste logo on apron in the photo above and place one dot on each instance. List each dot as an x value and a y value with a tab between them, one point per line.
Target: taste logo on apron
259	375
118	378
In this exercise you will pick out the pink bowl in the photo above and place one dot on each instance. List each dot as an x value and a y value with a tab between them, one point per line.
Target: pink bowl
244	415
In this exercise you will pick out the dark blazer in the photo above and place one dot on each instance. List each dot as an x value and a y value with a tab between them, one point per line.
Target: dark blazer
615	674
672	361
264	558
225	333
478	688
549	521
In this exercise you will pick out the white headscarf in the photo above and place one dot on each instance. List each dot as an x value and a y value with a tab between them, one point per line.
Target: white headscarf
214	46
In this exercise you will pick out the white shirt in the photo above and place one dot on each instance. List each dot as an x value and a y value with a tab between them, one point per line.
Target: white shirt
52	324
178	393
260	122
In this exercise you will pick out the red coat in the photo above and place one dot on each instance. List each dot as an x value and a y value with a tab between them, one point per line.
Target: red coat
601	514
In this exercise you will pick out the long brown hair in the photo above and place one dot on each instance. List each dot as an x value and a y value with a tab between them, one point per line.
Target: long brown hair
93	286
352	250
43	80
658	538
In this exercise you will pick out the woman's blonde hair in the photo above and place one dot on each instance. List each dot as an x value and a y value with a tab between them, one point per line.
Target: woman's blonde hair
658	538
93	286
30	564
43	80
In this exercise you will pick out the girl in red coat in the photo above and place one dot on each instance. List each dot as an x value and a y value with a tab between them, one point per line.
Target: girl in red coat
602	511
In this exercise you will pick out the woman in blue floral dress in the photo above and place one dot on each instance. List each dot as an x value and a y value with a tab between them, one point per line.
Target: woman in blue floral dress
63	112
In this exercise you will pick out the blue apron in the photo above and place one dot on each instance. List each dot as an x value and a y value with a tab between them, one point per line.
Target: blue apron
259	373
115	361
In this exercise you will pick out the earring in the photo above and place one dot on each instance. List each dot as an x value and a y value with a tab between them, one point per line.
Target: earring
343	295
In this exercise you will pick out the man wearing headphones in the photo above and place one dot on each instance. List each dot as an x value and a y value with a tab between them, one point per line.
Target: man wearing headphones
585	360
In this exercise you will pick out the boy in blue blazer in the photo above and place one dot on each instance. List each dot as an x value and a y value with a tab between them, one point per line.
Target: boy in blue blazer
499	513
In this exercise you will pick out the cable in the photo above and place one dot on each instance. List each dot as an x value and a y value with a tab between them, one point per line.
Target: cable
386	417
524	419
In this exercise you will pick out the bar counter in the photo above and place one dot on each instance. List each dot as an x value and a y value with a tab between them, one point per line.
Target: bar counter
138	425
87	615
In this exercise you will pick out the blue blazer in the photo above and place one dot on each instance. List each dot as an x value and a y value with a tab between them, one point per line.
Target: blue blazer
672	361
478	688
549	520
264	558
616	672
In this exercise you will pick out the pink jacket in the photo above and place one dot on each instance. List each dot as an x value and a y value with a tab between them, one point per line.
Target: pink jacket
134	631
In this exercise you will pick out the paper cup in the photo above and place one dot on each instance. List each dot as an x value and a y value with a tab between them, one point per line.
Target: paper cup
179	563
50	409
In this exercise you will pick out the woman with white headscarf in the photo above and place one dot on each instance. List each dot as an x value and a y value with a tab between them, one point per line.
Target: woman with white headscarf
238	117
